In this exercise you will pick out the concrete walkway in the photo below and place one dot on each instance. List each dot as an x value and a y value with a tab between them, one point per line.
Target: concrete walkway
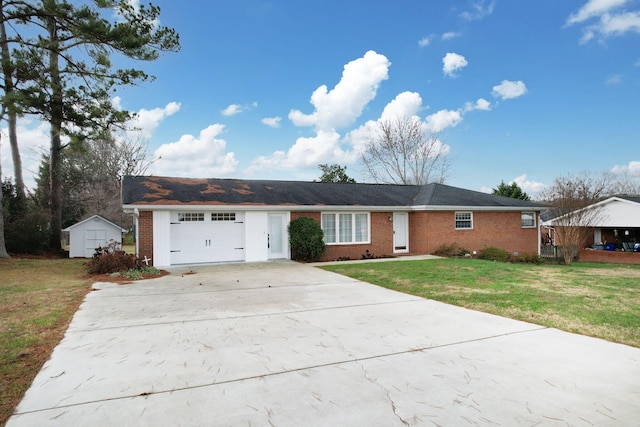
283	344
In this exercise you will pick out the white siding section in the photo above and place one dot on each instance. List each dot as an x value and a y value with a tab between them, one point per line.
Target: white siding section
620	214
256	231
161	239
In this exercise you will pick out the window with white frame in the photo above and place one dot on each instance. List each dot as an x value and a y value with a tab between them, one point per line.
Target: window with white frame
223	216
464	220
191	216
528	219
345	227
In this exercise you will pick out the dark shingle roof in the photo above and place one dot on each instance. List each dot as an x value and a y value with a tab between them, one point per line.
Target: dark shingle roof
635	199
446	195
152	190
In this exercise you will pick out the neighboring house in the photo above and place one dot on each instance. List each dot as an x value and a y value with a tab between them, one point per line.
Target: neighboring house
616	223
184	221
87	235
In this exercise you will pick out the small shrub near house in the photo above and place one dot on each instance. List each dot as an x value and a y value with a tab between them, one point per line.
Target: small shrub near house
492	253
450	250
111	259
530	259
306	239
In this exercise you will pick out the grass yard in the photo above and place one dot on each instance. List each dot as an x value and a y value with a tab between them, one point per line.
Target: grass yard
38	298
599	300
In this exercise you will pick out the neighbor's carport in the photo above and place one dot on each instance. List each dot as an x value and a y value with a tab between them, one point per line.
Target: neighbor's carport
285	344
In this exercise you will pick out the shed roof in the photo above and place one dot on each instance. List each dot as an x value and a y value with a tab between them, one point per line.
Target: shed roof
69	228
156	191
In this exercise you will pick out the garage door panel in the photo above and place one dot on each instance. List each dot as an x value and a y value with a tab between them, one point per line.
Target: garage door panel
207	238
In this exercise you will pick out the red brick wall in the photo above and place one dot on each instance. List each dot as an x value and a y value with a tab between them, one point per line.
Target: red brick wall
615	257
430	230
381	238
145	235
427	232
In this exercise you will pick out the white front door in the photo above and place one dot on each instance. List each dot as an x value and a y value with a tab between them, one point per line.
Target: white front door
400	232
277	238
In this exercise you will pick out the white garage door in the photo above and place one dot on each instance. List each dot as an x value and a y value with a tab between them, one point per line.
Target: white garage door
207	237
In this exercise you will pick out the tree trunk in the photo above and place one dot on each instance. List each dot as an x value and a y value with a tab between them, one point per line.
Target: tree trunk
55	165
12	117
3	248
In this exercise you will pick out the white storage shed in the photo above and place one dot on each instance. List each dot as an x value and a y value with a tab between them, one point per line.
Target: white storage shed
87	235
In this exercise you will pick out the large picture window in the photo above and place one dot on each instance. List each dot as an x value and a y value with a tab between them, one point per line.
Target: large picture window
343	228
464	220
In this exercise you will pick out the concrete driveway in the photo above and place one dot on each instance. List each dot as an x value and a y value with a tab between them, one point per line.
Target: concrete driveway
284	344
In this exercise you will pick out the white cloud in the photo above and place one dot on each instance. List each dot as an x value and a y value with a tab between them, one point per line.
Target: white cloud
614	79
450	35
620	24
425	41
610	21
632	169
232	110
443	119
405	104
273	122
202	157
341	106
479	10
530	187
344	103
307	152
481	104
509	89
147	121
334	109
452	62
594	8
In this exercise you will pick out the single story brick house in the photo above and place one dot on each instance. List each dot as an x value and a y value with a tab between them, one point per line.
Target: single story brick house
186	221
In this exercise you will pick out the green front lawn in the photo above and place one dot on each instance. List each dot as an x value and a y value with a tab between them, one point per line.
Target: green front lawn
38	298
599	300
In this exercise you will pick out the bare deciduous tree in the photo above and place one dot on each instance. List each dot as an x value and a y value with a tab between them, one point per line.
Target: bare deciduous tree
404	151
626	184
571	202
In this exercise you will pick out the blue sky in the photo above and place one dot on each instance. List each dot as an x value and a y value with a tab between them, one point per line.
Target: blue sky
523	90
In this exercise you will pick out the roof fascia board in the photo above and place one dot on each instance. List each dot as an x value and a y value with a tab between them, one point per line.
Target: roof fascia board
297	208
329	208
477	208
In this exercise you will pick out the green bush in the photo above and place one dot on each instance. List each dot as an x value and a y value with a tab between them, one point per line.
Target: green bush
28	234
450	250
306	239
494	254
530	259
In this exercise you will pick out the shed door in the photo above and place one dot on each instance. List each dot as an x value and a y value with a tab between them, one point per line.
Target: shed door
94	239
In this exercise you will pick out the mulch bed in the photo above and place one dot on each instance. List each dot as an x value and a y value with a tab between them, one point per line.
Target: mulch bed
121	280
